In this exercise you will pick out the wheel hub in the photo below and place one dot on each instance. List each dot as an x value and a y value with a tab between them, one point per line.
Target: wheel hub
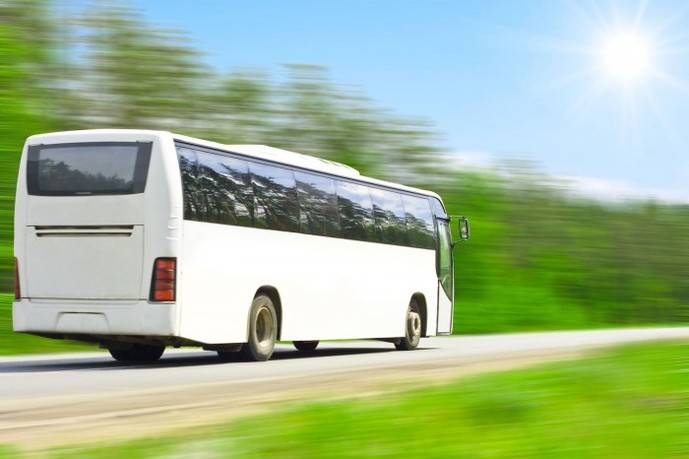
264	327
414	325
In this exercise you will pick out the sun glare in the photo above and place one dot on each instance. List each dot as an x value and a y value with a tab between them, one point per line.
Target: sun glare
626	56
621	57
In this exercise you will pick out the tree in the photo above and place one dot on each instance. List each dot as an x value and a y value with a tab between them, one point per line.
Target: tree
137	76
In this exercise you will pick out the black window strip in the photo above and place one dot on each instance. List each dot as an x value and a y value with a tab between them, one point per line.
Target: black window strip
412	224
140	177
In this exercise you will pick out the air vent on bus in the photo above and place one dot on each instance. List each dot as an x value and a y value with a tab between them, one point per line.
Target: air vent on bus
84	231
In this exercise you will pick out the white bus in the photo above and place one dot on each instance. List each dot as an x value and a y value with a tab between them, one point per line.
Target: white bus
138	240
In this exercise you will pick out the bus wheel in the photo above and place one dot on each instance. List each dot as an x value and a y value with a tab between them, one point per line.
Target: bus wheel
263	330
140	353
412	331
305	346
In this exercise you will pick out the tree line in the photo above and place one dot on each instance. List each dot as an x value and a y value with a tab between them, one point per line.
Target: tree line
539	258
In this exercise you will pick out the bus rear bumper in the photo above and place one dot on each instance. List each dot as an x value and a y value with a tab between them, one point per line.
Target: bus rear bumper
95	317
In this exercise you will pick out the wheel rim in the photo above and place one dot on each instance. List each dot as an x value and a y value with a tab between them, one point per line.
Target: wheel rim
414	325
264	327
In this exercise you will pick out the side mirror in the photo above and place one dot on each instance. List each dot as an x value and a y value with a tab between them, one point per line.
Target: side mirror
464	228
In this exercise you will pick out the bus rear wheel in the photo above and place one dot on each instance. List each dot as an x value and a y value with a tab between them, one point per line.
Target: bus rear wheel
138	353
263	330
306	346
412	329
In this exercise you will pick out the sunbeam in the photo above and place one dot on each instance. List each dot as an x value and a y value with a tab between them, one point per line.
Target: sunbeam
621	55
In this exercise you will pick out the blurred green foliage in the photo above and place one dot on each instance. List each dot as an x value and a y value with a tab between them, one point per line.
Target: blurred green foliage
539	258
629	402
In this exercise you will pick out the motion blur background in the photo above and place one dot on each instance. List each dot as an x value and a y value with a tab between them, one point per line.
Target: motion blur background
546	252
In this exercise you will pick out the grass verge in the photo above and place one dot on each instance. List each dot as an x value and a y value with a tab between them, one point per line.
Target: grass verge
627	402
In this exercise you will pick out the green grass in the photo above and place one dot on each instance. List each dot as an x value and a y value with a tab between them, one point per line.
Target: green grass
629	402
12	343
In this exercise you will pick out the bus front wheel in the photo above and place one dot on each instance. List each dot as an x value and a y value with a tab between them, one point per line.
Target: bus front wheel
412	329
263	330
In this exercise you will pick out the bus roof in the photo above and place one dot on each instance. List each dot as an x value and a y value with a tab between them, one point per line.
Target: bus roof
257	151
301	160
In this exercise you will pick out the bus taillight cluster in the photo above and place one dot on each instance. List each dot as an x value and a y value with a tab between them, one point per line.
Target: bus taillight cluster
164	282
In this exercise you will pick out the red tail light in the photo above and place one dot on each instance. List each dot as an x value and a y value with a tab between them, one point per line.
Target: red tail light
164	282
17	290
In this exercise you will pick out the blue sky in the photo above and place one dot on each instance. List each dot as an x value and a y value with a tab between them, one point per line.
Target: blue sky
498	79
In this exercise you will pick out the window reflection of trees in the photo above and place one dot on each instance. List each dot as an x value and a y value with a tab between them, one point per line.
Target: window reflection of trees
216	188
318	205
275	198
59	176
419	222
356	211
389	217
189	170
223	189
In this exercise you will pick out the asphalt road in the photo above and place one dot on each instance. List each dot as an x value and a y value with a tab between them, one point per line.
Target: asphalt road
70	398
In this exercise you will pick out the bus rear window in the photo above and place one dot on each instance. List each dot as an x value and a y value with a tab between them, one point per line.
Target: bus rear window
102	168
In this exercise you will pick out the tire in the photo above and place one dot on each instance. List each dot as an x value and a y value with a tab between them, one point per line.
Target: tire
305	346
263	330
138	353
412	329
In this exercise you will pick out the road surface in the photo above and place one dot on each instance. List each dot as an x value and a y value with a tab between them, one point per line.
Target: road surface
84	397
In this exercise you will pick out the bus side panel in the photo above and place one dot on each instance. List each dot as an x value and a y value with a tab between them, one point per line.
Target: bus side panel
164	208
329	288
216	282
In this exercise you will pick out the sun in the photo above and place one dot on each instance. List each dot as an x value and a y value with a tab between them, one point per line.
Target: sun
626	56
620	57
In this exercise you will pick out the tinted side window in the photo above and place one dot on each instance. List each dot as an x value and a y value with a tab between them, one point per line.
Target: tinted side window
317	205
224	190
420	229
275	197
188	166
356	211
389	217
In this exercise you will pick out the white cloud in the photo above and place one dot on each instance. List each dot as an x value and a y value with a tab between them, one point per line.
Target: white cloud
472	160
602	189
618	190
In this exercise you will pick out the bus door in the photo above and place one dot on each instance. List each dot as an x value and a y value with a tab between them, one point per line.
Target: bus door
445	270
